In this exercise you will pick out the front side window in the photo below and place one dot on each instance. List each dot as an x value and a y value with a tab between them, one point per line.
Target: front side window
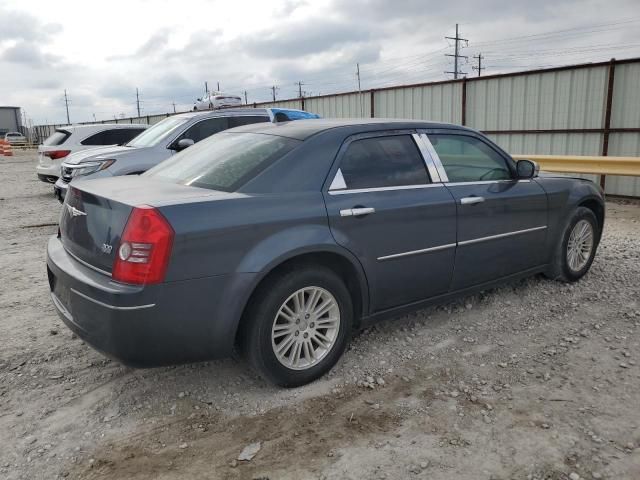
205	128
387	161
224	162
468	159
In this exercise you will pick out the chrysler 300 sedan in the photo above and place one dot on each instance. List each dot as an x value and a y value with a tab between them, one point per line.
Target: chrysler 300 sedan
281	239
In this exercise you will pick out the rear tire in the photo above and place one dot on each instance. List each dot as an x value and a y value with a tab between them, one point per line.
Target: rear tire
297	325
576	250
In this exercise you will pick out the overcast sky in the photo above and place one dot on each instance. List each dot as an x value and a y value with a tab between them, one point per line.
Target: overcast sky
100	52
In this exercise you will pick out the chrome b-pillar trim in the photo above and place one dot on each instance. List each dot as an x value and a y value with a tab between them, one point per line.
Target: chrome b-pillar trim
435	158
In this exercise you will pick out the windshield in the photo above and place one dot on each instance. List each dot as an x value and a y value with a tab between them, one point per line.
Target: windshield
155	134
225	161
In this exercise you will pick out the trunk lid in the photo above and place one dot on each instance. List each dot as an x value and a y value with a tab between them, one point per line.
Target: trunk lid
95	213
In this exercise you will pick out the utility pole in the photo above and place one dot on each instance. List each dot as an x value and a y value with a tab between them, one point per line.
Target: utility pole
273	90
66	104
206	88
94	117
218	86
245	98
359	90
174	107
479	68
456	55
138	101
300	89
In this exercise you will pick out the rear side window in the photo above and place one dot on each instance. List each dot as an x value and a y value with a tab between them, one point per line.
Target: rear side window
205	128
387	161
57	138
225	162
468	159
115	136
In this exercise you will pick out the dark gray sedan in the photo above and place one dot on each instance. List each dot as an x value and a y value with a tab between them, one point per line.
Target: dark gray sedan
281	239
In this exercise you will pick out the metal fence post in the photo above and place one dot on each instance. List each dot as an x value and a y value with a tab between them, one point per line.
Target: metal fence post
607	116
463	116
372	95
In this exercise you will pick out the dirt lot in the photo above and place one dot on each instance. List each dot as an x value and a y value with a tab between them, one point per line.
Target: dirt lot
536	380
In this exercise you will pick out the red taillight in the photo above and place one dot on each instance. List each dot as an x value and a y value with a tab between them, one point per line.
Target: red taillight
145	248
56	154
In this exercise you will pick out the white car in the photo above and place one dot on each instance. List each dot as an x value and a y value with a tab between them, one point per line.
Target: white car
15	137
74	138
214	100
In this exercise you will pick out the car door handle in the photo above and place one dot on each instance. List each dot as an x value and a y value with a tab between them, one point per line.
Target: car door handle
356	212
471	200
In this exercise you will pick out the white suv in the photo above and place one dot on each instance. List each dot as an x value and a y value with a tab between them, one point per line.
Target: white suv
73	138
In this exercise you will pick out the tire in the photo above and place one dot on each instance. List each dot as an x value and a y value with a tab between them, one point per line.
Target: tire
266	328
562	267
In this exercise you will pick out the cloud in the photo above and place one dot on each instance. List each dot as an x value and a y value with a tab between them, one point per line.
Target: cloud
304	38
29	54
252	46
15	25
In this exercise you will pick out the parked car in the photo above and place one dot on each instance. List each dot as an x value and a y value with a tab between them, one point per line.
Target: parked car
76	138
281	239
15	137
213	100
161	141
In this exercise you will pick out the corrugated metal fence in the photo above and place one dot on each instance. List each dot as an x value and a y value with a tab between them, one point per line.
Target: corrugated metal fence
588	109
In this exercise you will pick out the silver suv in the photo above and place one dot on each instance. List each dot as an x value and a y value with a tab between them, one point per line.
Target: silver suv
161	141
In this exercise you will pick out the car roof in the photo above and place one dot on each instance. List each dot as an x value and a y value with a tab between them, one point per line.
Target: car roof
227	112
101	126
303	129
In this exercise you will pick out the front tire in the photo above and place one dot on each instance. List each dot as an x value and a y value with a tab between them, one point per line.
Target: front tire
297	325
577	248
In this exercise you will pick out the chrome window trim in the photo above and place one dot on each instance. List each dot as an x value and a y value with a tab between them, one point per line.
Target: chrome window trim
486	182
435	157
426	156
417	252
112	307
385	189
457	244
338	182
501	235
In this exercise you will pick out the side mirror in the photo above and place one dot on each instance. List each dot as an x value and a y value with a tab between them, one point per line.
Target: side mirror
527	169
182	144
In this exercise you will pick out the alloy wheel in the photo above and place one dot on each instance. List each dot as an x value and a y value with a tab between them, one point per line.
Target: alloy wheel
580	245
305	328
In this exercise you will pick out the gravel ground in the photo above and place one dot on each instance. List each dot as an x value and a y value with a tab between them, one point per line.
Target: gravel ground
535	380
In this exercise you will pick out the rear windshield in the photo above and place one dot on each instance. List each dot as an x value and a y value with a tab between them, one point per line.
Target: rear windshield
57	138
225	161
159	131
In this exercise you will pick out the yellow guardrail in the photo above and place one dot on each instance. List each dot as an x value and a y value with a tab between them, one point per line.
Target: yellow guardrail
580	164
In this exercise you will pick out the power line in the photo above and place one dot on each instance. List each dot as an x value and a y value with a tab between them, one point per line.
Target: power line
456	55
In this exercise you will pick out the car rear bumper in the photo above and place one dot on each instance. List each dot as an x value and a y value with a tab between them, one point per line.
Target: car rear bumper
48	171
170	323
